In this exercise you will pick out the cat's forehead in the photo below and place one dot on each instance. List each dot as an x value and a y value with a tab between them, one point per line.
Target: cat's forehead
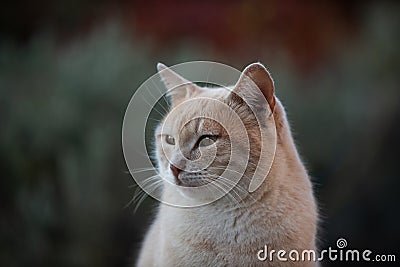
198	113
215	93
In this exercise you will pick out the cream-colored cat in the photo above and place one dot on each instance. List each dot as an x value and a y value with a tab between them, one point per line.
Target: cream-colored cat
281	213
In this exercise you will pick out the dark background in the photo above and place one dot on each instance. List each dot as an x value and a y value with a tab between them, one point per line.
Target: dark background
69	68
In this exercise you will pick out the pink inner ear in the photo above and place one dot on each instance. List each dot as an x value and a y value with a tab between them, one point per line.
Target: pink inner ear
256	75
181	93
261	77
178	87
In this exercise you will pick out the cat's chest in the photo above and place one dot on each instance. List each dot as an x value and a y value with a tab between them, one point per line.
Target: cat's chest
209	228
217	239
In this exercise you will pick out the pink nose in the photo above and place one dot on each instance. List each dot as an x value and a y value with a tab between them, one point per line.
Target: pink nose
175	170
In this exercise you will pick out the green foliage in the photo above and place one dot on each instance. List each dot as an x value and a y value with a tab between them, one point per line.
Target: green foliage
64	182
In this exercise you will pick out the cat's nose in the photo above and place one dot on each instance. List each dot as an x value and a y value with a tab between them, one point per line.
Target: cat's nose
175	170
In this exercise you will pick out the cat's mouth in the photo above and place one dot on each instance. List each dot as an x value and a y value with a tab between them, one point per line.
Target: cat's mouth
192	179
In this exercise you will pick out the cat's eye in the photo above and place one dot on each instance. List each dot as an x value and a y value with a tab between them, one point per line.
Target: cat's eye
170	140
207	140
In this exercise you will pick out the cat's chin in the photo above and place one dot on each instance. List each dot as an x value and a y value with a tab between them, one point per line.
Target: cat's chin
190	193
190	181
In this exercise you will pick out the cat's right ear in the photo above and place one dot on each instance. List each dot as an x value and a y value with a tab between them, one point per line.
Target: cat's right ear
254	84
178	87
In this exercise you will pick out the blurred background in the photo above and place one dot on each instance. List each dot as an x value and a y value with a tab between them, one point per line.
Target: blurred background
69	68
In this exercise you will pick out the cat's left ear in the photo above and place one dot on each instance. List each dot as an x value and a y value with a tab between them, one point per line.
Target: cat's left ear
254	83
178	87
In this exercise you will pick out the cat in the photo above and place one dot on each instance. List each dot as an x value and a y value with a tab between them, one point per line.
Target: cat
231	230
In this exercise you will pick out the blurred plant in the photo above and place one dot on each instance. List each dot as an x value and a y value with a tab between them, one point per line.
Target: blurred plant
62	166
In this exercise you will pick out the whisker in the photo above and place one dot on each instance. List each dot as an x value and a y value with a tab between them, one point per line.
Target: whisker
150	184
224	191
153	107
139	170
154	98
154	186
231	190
236	186
153	119
224	168
158	88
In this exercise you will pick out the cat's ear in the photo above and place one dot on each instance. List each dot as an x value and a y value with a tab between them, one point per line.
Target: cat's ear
255	79
178	87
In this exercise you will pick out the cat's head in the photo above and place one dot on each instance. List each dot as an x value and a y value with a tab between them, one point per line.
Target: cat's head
212	137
